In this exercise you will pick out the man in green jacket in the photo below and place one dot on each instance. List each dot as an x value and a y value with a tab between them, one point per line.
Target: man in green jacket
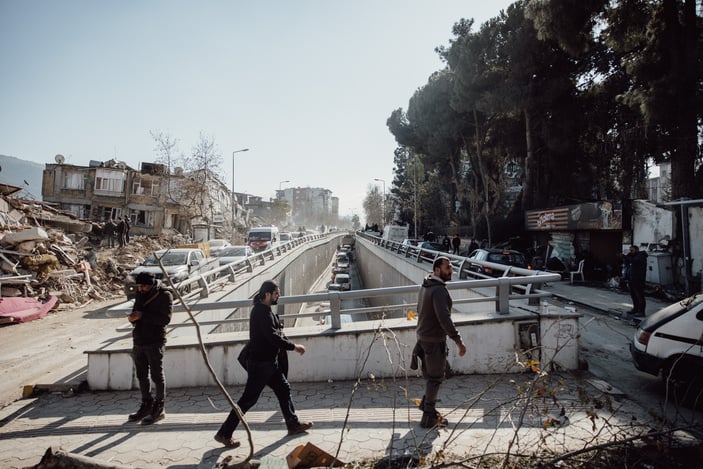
434	325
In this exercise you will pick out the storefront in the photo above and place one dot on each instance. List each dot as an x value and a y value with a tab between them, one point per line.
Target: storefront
590	231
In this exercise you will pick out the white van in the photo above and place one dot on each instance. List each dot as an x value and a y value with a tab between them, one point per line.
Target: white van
670	341
263	237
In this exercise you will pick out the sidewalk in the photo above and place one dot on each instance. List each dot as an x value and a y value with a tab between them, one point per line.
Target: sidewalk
374	420
612	302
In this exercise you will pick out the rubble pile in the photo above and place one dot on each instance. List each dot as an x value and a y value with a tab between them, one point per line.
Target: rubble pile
41	261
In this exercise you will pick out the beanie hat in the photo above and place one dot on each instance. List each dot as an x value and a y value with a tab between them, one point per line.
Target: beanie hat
145	278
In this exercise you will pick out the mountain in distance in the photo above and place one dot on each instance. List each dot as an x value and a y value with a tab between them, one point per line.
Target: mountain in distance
24	174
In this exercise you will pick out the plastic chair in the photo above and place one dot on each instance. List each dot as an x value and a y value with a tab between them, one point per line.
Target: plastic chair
578	272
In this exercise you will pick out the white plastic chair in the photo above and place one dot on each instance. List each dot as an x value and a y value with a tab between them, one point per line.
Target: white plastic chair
578	272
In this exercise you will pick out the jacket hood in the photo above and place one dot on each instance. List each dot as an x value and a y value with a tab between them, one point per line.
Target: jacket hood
432	281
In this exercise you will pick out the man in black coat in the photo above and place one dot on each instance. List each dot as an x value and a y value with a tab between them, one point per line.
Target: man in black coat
636	272
153	307
265	365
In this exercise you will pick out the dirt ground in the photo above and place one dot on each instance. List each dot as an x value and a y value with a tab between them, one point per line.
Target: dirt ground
50	350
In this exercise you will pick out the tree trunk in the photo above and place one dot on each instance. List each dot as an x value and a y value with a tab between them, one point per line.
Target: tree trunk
529	195
484	179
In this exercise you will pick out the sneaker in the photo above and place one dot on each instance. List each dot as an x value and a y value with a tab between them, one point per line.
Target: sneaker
228	442
300	427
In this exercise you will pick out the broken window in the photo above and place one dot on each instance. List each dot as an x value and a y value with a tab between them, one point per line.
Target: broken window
74	181
145	187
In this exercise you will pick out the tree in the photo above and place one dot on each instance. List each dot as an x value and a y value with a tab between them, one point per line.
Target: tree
373	205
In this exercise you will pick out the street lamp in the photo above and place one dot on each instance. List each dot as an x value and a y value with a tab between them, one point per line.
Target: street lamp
384	198
280	183
234	198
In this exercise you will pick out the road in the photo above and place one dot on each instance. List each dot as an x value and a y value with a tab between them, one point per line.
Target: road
50	350
604	345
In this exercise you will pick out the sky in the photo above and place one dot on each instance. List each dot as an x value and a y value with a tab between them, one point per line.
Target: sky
306	85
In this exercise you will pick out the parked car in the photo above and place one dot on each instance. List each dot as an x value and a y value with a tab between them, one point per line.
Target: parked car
216	245
670	342
235	254
285	236
410	242
496	256
179	264
430	245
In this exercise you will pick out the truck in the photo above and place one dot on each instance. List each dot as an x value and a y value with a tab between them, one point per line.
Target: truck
395	233
180	264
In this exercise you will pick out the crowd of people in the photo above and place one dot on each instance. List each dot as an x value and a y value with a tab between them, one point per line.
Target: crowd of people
119	231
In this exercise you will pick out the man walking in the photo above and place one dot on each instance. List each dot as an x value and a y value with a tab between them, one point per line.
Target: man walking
434	325
153	307
266	365
636	273
121	230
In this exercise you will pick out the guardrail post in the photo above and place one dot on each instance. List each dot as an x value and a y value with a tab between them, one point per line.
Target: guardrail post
233	272
335	307
204	287
503	295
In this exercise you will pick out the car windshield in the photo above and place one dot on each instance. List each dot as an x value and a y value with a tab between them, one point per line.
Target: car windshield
170	258
233	252
260	236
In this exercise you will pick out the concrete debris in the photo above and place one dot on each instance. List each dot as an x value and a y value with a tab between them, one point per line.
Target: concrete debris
39	258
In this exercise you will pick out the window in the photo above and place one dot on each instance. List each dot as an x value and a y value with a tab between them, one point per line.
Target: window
75	181
109	181
145	187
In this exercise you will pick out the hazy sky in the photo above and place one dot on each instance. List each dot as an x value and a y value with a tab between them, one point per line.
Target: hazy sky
306	85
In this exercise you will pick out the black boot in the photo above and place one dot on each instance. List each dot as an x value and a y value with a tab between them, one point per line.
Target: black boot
144	410
433	419
157	413
295	428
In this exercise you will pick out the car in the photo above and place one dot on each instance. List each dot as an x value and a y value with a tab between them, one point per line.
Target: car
668	342
179	264
496	256
234	254
341	263
216	245
344	280
425	246
285	236
410	242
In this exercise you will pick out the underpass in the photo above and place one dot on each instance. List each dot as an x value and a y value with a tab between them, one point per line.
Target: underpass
503	317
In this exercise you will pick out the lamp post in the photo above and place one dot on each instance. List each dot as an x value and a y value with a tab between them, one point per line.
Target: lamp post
384	198
280	183
234	198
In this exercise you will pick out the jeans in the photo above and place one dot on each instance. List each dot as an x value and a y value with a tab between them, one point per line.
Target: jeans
639	302
150	358
260	375
433	370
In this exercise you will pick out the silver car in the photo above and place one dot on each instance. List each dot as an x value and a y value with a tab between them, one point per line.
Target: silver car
234	254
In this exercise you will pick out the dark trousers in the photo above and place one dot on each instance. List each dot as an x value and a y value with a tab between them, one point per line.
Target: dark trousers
637	294
260	375
150	359
111	240
434	365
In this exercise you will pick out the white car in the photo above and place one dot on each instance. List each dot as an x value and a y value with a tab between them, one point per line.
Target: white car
216	245
235	254
344	280
670	342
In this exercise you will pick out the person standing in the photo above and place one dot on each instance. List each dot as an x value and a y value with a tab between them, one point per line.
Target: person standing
636	272
127	227
121	227
153	307
266	365
456	244
109	231
473	245
434	325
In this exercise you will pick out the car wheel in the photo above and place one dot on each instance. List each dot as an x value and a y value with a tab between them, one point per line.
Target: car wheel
185	289
682	378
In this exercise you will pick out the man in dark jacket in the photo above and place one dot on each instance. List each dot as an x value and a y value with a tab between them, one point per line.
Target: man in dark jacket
434	324
153	307
109	232
264	367
636	272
